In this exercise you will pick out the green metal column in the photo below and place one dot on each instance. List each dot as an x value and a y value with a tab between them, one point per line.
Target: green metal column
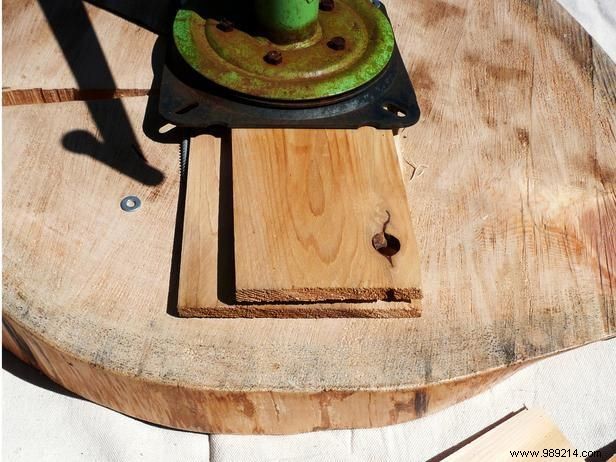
287	21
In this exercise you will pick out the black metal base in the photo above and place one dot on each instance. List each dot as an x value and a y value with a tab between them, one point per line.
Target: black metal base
388	102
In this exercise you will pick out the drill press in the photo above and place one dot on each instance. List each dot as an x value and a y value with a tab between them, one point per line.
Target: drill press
295	64
286	64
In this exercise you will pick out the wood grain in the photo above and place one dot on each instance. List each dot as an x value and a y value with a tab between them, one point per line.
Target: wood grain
42	96
528	430
308	205
202	293
198	283
220	410
511	175
59	51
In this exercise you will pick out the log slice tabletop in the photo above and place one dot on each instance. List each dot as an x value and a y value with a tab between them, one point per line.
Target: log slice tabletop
510	175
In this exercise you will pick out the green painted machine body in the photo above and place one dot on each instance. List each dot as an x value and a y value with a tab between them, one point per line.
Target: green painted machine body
285	49
287	21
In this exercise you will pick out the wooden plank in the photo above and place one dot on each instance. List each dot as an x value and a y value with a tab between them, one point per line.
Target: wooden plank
308	206
59	51
202	293
529	430
515	238
198	283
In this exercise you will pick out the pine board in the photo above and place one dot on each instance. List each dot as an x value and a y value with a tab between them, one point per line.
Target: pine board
528	430
511	172
201	292
307	205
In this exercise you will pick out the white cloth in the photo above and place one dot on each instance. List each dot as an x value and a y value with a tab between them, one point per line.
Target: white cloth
41	422
598	17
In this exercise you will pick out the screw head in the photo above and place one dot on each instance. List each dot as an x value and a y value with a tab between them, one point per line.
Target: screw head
225	25
326	5
337	43
273	57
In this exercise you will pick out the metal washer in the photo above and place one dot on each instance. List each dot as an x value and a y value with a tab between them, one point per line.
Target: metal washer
130	203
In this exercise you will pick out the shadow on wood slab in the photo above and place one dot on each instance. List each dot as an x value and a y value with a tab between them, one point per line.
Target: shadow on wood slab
31	374
116	144
226	226
14	366
226	252
154	15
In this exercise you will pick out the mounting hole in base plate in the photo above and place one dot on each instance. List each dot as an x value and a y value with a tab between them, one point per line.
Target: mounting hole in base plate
395	110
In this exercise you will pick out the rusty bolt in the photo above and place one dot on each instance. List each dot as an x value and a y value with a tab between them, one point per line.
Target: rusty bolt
337	43
326	5
273	57
225	25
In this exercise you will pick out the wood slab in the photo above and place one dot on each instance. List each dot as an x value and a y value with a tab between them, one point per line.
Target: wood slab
60	51
309	207
511	172
207	249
